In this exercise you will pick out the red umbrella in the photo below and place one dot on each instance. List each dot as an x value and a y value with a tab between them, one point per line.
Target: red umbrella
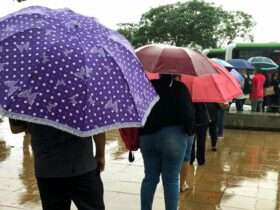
220	87
165	59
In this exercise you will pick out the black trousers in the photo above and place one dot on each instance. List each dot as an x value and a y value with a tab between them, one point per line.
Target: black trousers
199	145
86	191
213	133
239	103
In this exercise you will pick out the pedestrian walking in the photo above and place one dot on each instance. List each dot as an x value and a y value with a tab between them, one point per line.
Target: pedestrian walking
213	109
257	91
185	166
67	77
201	126
221	118
275	98
163	141
65	167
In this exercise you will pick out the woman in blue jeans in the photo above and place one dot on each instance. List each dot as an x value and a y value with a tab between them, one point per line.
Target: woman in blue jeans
185	166
163	141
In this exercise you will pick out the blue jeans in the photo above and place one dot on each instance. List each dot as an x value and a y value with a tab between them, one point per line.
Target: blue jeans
163	153
190	140
257	105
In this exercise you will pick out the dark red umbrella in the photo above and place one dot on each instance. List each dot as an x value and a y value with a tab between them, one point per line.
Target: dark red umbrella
165	59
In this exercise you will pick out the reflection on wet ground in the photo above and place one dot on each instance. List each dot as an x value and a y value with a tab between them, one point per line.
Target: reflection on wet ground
242	174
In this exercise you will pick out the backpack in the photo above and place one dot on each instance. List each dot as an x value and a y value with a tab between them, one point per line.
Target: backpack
130	137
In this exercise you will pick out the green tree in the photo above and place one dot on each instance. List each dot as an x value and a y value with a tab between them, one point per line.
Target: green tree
191	23
129	30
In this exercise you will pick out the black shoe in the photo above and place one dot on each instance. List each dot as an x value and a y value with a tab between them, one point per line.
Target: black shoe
201	163
214	149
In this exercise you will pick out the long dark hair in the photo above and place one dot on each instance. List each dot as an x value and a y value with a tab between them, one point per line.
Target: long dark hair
168	78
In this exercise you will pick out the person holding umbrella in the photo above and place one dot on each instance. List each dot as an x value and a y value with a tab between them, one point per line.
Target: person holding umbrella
275	98
65	167
240	100
201	125
257	91
164	139
66	78
172	120
247	84
261	81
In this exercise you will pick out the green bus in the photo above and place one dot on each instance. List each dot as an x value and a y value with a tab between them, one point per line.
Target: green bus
247	50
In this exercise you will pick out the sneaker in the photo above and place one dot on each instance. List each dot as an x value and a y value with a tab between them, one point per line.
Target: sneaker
214	149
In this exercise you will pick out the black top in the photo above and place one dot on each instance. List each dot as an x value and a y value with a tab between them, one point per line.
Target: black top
57	153
201	114
174	107
275	98
213	109
247	85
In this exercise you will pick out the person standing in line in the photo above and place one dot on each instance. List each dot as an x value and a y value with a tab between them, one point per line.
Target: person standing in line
267	96
65	167
240	100
164	139
257	91
247	84
275	98
220	119
201	126
220	123
213	109
185	166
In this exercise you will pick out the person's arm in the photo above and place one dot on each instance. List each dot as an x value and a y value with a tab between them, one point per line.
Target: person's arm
17	126
100	140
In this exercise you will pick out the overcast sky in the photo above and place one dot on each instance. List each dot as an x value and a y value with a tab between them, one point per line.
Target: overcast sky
110	12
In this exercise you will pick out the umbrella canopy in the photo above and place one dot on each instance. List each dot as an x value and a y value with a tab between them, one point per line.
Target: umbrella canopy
165	59
237	76
241	64
65	70
263	63
219	88
222	63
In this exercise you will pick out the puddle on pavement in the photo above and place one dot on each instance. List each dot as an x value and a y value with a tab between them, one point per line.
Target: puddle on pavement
242	174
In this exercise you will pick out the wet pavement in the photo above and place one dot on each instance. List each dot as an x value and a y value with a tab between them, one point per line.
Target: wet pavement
242	174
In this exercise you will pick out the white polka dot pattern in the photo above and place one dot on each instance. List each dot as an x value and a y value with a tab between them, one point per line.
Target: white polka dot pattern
66	70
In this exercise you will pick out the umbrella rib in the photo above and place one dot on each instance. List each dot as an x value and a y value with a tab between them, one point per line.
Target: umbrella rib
126	81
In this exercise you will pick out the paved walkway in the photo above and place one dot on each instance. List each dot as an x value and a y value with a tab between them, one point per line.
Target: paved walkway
242	174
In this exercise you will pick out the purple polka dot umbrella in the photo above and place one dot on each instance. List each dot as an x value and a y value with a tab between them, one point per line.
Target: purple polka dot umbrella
65	70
